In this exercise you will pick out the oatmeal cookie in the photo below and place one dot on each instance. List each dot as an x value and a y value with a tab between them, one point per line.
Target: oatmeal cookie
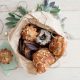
5	56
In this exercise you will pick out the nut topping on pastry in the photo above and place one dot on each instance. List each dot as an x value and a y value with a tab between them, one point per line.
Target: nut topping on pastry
42	59
40	46
29	33
5	56
57	46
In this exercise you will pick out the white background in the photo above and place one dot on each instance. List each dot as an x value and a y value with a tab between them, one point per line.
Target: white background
69	65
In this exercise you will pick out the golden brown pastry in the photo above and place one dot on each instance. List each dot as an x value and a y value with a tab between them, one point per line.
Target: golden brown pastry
57	46
29	33
5	56
42	59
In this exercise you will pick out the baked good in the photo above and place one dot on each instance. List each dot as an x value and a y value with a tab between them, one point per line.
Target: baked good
5	56
29	33
57	46
42	59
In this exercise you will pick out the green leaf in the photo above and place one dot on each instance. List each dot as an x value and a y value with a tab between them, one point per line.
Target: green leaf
55	10
48	9
12	19
22	10
17	15
40	8
11	24
11	14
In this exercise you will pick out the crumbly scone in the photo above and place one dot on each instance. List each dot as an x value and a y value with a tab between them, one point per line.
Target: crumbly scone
42	59
5	56
57	46
29	33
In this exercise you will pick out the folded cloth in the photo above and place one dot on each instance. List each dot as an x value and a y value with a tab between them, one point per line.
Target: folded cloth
7	68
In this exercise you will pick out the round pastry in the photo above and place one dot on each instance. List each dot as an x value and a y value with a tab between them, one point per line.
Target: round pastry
57	46
42	59
5	56
29	33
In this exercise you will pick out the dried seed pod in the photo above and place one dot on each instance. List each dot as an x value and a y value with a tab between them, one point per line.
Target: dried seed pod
42	59
57	46
5	56
32	46
44	37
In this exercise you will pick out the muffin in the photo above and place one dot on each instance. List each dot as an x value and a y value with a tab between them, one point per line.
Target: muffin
5	56
42	59
57	46
29	33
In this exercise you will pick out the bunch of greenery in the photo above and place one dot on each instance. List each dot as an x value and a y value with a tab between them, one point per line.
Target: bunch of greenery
16	15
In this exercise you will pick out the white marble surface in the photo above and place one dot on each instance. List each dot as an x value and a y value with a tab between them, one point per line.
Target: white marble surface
69	65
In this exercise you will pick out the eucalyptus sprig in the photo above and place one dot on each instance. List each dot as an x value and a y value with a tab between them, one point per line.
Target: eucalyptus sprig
48	7
16	15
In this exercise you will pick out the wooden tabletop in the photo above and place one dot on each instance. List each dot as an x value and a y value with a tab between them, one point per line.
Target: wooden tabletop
68	67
